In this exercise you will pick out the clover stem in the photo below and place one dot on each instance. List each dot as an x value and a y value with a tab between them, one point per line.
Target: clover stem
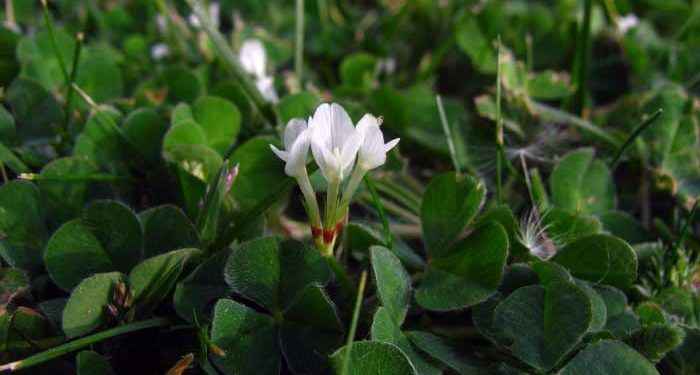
82	342
331	203
310	197
352	185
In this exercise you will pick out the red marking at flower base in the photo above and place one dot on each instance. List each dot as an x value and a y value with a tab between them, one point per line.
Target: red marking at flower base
328	236
316	232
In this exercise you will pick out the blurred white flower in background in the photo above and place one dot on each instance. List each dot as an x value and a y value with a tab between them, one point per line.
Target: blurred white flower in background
253	60
159	51
626	23
213	12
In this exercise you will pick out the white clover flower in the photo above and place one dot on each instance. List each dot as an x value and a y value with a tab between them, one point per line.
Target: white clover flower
266	87
626	23
296	147
213	12
162	24
372	152
334	141
252	57
296	150
253	60
160	51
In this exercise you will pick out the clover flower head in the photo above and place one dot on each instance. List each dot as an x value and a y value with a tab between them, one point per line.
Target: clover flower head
334	141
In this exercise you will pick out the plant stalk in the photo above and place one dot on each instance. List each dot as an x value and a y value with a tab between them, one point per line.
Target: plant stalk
82	342
353	325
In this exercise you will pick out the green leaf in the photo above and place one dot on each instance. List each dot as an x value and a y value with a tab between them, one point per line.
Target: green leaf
548	85
357	71
272	271
74	253
181	84
467	273
39	60
625	226
22	226
393	283
299	105
384	329
371	357
654	341
685	359
679	302
581	184
544	323
36	111
565	227
472	41
244	335
598	308
184	132
449	204
600	259
220	120
310	331
118	230
13	281
260	172
445	351
100	76
203	286
166	228
88	362
608	357
650	313
153	278
23	330
64	187
86	309
8	158
144	130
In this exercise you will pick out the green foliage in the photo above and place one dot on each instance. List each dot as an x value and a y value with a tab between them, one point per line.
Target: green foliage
139	191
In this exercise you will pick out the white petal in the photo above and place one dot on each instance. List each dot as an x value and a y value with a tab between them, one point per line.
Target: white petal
348	153
284	155
366	122
252	57
325	159
296	163
341	126
319	124
391	144
293	129
266	87
372	153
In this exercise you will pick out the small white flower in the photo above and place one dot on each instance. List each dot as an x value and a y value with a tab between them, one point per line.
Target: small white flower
296	147
252	57
626	23
334	141
213	12
372	153
266	86
159	51
162	24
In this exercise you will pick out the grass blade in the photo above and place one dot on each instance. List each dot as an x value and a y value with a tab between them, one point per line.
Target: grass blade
635	133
